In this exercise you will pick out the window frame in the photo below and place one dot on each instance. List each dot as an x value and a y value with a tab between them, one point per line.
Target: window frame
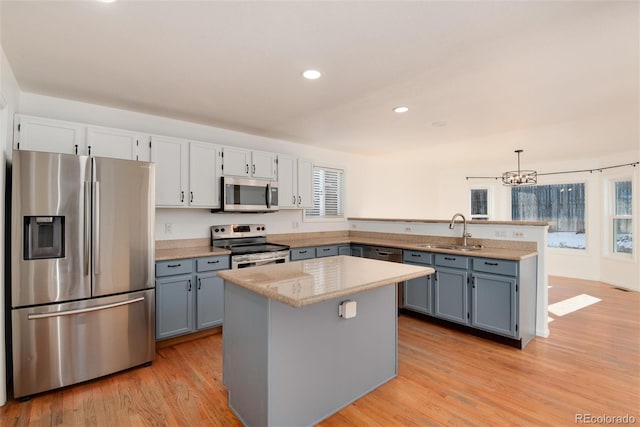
611	216
589	243
323	218
489	213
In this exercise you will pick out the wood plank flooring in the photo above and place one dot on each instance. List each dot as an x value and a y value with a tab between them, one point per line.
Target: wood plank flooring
589	364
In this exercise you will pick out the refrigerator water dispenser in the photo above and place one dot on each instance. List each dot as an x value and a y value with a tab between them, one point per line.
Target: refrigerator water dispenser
43	237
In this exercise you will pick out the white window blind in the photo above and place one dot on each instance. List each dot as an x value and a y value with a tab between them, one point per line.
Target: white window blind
328	193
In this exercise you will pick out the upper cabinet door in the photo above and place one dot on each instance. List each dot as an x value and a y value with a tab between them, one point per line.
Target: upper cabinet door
53	136
114	143
263	165
305	183
171	158
287	182
236	161
204	175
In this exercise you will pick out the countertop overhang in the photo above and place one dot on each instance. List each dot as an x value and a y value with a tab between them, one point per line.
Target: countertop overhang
302	283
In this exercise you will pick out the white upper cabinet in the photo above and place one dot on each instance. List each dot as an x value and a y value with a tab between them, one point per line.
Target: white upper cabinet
54	136
114	143
255	164
205	169
264	165
295	182
171	158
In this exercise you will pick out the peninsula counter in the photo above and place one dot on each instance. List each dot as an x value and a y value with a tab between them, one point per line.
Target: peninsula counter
289	358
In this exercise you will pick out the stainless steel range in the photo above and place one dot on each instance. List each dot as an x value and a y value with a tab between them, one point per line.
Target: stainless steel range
248	245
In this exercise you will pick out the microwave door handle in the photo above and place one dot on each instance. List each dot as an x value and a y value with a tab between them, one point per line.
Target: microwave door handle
269	196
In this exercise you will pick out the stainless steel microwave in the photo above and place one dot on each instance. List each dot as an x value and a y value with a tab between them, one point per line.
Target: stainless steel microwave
249	195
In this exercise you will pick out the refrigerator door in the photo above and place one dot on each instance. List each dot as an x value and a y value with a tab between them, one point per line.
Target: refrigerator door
50	228
61	344
123	225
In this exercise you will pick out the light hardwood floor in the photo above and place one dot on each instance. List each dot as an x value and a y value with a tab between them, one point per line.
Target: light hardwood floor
589	364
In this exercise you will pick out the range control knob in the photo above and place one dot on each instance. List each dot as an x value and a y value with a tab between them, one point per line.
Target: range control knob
217	230
222	229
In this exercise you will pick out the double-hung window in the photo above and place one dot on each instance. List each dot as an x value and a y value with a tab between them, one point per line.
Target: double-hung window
479	203
328	193
622	217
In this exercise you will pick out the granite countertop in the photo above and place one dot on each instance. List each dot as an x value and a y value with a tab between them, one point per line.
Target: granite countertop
302	283
514	252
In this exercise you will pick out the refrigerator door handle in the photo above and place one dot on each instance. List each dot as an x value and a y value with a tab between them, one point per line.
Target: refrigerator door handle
96	228
87	227
35	316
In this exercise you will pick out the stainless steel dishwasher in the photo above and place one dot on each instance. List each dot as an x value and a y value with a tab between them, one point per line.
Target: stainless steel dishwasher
386	254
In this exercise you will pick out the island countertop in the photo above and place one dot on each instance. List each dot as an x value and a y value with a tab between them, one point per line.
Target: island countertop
302	283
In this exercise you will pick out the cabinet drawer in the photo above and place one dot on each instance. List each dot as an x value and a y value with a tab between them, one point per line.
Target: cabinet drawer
418	257
302	253
171	268
212	263
496	266
322	251
453	261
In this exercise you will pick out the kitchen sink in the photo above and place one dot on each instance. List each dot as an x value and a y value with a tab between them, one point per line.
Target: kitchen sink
451	247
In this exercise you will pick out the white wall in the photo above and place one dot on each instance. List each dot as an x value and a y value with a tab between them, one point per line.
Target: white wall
431	183
9	102
195	223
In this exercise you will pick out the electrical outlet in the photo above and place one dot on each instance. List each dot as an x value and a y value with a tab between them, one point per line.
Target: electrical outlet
354	226
407	229
519	234
168	228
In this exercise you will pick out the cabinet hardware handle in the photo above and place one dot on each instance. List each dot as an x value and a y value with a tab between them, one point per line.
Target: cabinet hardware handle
76	145
213	262
417	255
182	196
299	200
490	263
253	169
189	290
191	197
473	282
173	265
384	253
89	147
326	249
199	284
449	259
246	167
294	200
303	252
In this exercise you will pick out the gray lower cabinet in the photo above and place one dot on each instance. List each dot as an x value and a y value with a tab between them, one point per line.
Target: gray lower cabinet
451	292
493	303
325	251
344	249
189	295
494	295
418	293
451	301
298	254
357	251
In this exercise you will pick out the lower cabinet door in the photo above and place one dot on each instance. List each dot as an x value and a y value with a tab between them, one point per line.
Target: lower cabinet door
174	305
210	300
418	294
451	295
493	303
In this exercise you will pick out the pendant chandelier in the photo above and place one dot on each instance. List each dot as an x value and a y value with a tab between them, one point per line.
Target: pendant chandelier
519	177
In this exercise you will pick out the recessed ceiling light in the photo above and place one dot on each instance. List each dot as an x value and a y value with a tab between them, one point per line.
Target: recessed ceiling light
401	109
439	124
311	74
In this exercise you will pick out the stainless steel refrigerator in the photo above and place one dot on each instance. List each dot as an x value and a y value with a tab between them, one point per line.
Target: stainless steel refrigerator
82	268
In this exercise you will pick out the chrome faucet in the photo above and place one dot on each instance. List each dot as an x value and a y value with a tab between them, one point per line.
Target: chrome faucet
464	227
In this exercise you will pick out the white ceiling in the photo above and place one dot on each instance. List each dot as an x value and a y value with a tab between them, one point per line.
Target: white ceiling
483	67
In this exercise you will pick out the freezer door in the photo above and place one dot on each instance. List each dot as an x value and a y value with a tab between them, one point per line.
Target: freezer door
61	344
50	247
123	225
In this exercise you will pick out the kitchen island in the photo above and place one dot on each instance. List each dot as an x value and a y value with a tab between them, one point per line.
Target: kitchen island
289	357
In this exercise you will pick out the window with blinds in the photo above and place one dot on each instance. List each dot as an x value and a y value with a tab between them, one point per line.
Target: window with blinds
328	193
